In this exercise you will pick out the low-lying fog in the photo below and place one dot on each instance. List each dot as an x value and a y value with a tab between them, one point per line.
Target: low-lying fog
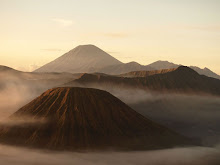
179	156
14	97
193	116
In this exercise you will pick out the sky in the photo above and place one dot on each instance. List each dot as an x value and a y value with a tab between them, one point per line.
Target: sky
34	32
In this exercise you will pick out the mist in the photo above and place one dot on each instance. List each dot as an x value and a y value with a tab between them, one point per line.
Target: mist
191	115
13	97
19	88
195	116
181	156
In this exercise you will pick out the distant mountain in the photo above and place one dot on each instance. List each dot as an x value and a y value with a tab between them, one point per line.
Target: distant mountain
206	72
90	59
158	65
82	119
84	58
124	68
180	80
10	77
6	69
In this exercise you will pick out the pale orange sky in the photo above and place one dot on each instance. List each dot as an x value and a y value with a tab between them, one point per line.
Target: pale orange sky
184	32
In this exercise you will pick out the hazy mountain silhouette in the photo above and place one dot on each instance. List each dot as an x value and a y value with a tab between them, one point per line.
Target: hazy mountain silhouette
10	77
6	69
84	58
83	118
205	71
124	68
89	59
158	65
181	80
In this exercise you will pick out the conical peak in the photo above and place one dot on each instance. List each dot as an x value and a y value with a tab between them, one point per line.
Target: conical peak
133	63
87	48
83	58
85	118
65	100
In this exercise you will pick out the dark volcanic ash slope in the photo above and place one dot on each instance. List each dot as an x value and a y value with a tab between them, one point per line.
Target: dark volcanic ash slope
180	80
147	73
83	118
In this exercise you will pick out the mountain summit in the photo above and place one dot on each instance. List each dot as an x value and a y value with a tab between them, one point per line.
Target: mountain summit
83	58
85	118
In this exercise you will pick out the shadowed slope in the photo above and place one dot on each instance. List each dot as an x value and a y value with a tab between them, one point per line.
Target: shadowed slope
6	69
80	118
147	73
183	79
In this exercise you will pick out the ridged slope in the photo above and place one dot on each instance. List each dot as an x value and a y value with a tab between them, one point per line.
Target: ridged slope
83	118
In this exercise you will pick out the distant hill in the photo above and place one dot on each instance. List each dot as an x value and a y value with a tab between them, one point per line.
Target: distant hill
84	58
158	65
180	80
206	72
6	69
124	68
10	77
82	119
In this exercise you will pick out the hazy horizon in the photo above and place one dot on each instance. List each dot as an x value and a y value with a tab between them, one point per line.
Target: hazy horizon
34	33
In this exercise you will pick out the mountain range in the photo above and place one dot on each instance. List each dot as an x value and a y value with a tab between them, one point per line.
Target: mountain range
177	80
90	59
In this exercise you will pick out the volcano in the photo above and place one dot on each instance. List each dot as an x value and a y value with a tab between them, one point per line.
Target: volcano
85	119
83	58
